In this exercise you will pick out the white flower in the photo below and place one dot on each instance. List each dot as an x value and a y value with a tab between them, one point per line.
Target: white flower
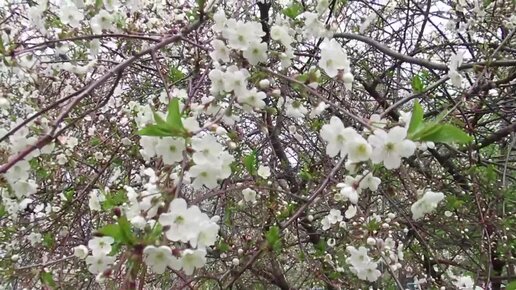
281	34
204	174
369	181
348	79
358	258
70	15
191	124
264	171
241	34
101	245
359	149
337	137
220	51
170	149
208	233
453	74
426	204
148	144
333	58
96	197
207	149
319	109
326	225
252	98
158	258
180	220
347	192
390	147
61	159
313	27
99	262
295	109
80	252
256	52
102	21
369	272
193	259
334	216
455	78
351	211
235	81
217	78
220	20
249	195
34	238
465	283
23	188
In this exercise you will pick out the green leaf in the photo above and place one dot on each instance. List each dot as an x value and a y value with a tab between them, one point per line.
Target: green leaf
155	130
417	84
156	232
98	4
273	237
125	230
120	231
114	199
251	162
425	129
223	247
48	240
320	248
511	286
2	48
175	75
417	118
3	211
448	133
174	115
294	10
111	230
159	120
46	278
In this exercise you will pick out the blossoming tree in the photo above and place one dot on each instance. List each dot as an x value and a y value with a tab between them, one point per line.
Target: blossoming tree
257	144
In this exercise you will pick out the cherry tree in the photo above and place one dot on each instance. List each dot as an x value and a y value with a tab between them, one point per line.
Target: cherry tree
257	144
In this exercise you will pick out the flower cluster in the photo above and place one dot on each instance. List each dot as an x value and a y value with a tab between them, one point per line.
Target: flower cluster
142	206
332	218
212	162
99	260
362	265
187	225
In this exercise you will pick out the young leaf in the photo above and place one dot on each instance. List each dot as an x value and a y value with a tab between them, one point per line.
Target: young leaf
174	115
155	130
293	10
47	279
111	230
120	231
417	118
251	162
175	75
273	237
125	231
158	119
417	84
448	133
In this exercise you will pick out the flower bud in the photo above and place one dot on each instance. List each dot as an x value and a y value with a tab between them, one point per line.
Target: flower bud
264	84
